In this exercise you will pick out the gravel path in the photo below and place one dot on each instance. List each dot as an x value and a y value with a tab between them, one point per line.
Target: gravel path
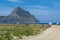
52	33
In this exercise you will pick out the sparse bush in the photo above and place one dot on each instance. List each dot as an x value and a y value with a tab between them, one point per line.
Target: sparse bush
20	30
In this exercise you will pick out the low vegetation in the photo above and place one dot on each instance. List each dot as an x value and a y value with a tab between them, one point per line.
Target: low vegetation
7	31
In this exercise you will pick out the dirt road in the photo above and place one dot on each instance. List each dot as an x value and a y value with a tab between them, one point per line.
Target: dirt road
52	33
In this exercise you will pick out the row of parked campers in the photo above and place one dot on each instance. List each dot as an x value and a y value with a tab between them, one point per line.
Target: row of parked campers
53	23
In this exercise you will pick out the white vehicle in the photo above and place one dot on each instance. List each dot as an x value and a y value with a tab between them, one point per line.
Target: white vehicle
50	23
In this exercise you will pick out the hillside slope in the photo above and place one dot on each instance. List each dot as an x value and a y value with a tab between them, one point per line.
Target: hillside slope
19	15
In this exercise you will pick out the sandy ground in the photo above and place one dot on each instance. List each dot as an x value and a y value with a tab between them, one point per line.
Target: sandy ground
52	33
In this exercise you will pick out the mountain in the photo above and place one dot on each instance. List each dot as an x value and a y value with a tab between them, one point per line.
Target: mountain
19	15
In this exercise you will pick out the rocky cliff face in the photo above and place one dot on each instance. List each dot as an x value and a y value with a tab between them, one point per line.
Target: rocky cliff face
19	15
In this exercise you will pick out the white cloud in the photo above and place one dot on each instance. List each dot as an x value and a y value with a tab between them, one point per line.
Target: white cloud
14	0
38	7
18	1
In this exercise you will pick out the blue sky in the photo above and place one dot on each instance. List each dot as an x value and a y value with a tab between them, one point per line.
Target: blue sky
44	10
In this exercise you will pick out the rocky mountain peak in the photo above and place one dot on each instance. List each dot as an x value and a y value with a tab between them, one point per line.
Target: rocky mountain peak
20	12
19	15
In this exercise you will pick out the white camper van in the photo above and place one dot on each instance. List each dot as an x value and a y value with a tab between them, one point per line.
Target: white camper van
50	24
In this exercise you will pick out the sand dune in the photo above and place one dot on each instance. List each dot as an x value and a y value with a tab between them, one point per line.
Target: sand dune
52	33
